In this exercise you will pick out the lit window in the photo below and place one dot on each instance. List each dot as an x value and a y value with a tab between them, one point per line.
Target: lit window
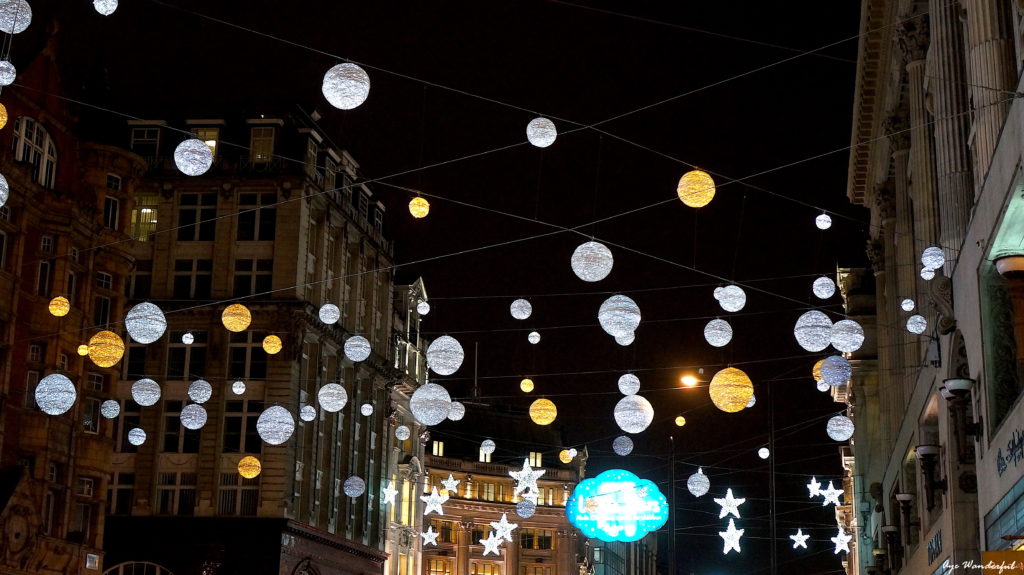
144	218
210	136
439	567
438	448
261	147
535	459
33	145
484	457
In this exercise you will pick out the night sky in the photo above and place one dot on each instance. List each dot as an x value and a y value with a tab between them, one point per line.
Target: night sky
746	104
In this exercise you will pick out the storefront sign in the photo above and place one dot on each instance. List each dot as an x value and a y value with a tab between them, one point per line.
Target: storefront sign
1014	452
617	506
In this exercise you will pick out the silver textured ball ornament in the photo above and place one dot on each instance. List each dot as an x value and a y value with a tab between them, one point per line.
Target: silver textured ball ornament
193	416
187	338
7	73
698	484
763	453
146	392
238	387
823	386
110	409
423	308
835	370
55	394
840	428
105	7
847	336
907	305
136	436
932	258
332	397
430	404
533	337
193	157
619	316
145	322
625	340
457	411
402	433
633	413
916	324
329	313
366	409
487	446
541	132
718	332
521	309
15	16
629	384
813	331
732	298
823	222
307	413
357	348
354	486
275	425
526	508
346	86
823	287
592	261
445	355
622	445
927	274
200	391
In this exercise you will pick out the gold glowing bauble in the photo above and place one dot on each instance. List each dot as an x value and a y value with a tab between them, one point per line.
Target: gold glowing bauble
543	411
83	350
419	207
696	189
60	306
816	370
249	467
236	317
272	344
526	385
106	348
731	390
680	421
564	456
3	116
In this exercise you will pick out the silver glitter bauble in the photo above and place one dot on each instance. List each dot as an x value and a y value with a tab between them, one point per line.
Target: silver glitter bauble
430	404
840	428
15	16
763	453
145	322
533	338
5	190
275	425
193	416
445	355
629	384
200	391
136	436
835	370
619	316
824	287
917	324
718	332
110	409
633	413
346	86
698	484
357	348
329	313
813	331
187	338
592	261
731	298
622	445
146	392
354	486
238	388
824	222
7	73
55	394
752	402
105	7
332	397
625	340
402	433
822	386
423	308
526	508
193	157
487	447
521	309
847	336
457	411
927	274
907	305
932	258
541	132
307	413
366	409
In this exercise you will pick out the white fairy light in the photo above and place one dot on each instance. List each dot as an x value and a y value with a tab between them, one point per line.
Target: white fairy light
430	404
842	541
814	487
357	348
799	539
823	221
541	132
526	479
451	484
718	332
332	397
238	387
490	544
389	492
730	504
445	355
764	453
629	384
187	338
831	495
434	501
275	425
193	157
521	309
731	537
503	528
429	536
346	86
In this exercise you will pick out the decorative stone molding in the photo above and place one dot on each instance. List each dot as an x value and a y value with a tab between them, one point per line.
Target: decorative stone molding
941	291
912	37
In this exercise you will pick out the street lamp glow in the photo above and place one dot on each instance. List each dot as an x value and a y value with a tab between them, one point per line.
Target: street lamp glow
689	380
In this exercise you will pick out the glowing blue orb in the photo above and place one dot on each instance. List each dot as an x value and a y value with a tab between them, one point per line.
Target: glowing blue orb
617	506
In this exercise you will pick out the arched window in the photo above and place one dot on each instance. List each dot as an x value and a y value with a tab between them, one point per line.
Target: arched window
32	144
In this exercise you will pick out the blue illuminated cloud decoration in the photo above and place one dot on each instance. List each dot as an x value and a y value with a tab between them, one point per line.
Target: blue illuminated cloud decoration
617	506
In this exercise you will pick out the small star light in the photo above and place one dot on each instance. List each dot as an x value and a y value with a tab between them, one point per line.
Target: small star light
346	86
430	536
357	348
619	316
389	493
824	287
842	541
629	384
434	501
730	504
592	261
824	222
451	484
329	313
491	544
541	132
698	483
533	338
503	529
718	332
521	309
916	324
814	487
193	158
731	536
526	480
799	540
731	298
907	304
831	495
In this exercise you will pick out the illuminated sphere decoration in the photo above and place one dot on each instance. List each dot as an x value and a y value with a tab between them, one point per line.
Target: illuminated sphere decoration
917	324
146	392
136	436
730	390
731	298
592	261
193	416
526	385
105	7
541	132
752	402
419	207
346	86
521	309
430	404
238	387
272	344
698	484
145	322
763	453
932	258
110	409
187	338
622	445
106	348
83	350
3	122
840	428
835	370
680	421
927	274
564	456
533	337
619	315
445	355
847	336
5	188
487	447
402	433
7	73
307	413
629	384
526	508
696	189
823	287
200	391
236	317
457	411
907	305
354	486
633	413
823	386
275	425
329	313
193	157
813	331
249	467
55	394
625	340
718	332
357	348
824	222
332	397
573	453
543	411
423	308
366	409
15	16
816	370
59	306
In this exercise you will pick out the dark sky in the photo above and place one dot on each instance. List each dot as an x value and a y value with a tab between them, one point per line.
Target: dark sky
745	103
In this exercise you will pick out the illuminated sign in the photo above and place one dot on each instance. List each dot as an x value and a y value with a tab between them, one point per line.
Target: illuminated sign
617	506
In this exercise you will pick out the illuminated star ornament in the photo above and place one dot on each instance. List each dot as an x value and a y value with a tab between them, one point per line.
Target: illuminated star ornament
389	493
526	480
491	543
731	536
799	540
814	487
451	484
831	495
729	505
503	529
430	536
842	541
434	502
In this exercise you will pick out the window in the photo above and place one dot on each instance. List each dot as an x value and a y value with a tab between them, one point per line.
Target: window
445	528
35	352
120	492
53	472
484	569
85	487
139	284
46	244
240	435
261	145
95	381
43	279
33	145
238	495
246	358
74	254
113	182
330	171
196	213
439	567
62	362
210	136
257	217
480	531
535	459
484	457
176	493
144	218
487	491
186	362
3	250
81	522
49	513
146	141
135	365
111	212
378	218
537	538
5	213
69	287
598	554
253	277
104	280
193	279
438	448
31	380
101	311
177	438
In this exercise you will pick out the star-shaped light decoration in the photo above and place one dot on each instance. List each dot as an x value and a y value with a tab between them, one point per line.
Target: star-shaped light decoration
389	493
491	543
799	540
434	501
729	505
842	541
526	480
503	529
731	536
430	536
451	484
814	487
831	495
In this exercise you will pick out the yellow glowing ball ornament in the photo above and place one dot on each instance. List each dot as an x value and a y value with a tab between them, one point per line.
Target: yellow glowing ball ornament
680	421
3	116
731	390
564	456
526	385
419	207
106	348
272	344
249	467
83	350
60	306
543	411
696	189
816	370
236	317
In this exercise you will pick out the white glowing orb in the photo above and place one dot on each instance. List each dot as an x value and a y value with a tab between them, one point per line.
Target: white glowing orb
200	391
526	508
346	86
146	392
457	411
533	338
430	404
907	305
357	348
718	332
187	338
633	413
917	324
15	16
813	331
541	132
824	222
402	433
619	316
592	261
847	336
840	428
824	287
329	313
731	298
698	484
105	7
332	397
622	445
521	309
110	409
423	308
5	190
354	486
487	447
629	384
366	409
193	416
823	386
752	402
145	322
136	436
307	413
835	370
932	258
275	425
7	73
763	453
927	274
238	387
445	355
625	340
55	394
193	157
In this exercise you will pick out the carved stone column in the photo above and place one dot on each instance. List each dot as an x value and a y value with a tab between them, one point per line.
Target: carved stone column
512	554
566	551
462	543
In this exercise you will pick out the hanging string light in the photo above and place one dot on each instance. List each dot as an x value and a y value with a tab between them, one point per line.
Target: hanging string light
146	392
145	322
249	467
629	384
106	348
622	445
718	332
357	348
730	390
633	413
193	158
329	313
346	86
59	306
526	385
430	404
592	261
521	309
813	331
275	425
543	411
55	394
541	132
696	188
272	344
445	355
419	207
236	317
